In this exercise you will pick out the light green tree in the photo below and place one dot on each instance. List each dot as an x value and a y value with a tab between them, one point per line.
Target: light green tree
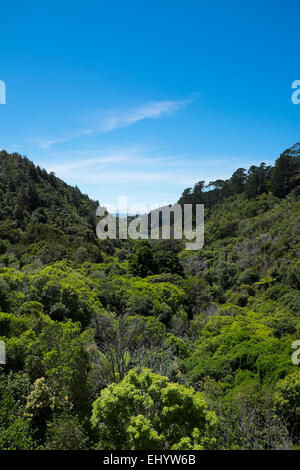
287	398
147	411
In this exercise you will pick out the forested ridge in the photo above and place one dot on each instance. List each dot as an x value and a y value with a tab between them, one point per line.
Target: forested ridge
145	345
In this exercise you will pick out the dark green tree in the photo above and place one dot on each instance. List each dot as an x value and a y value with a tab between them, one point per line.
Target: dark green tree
286	174
141	262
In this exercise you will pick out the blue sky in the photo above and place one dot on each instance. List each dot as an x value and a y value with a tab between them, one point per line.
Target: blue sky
146	98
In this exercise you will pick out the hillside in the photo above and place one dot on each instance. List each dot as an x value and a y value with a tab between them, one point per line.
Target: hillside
42	218
190	350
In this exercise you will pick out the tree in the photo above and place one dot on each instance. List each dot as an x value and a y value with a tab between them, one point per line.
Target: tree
219	189
65	432
285	174
15	430
31	197
197	196
258	179
167	262
147	411
237	181
287	397
186	197
141	262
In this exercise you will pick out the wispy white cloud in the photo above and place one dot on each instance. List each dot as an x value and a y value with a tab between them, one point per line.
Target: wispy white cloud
116	119
85	164
83	161
106	121
46	144
64	169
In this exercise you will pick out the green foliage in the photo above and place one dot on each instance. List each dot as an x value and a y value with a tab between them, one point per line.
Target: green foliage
286	173
287	398
122	330
147	411
146	260
141	262
65	432
44	219
15	432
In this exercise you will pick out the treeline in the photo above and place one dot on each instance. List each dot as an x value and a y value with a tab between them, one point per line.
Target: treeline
279	179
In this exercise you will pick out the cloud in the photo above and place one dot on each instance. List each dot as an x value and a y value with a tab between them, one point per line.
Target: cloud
144	174
112	120
64	169
84	164
117	119
90	159
135	165
46	144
